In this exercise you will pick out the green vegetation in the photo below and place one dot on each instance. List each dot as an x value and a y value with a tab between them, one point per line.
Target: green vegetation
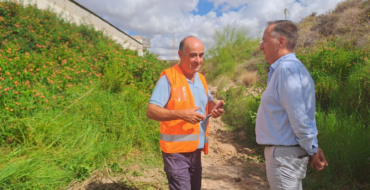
341	75
337	55
232	47
72	101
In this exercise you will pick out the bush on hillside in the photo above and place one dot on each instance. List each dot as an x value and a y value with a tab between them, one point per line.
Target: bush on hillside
72	99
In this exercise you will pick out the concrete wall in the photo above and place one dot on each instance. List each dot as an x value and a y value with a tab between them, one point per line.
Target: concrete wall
78	14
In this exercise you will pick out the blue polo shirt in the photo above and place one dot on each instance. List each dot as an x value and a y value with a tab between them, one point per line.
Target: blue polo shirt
162	92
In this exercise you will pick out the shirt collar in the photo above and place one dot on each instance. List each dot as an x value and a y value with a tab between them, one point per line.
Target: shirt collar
277	63
195	78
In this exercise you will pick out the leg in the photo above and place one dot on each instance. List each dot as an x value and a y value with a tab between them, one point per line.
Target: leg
284	169
176	167
196	170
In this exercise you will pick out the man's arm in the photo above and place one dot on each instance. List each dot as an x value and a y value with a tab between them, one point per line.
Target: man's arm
291	96
158	113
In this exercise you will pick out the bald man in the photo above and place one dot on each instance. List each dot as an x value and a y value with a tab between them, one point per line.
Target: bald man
182	103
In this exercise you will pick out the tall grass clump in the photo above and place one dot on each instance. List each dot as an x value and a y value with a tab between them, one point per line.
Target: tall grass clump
232	46
72	100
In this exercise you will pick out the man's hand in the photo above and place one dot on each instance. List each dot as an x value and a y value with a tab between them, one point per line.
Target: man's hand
218	110
318	160
192	116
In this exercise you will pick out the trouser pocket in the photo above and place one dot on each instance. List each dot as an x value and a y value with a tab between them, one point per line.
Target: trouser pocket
291	162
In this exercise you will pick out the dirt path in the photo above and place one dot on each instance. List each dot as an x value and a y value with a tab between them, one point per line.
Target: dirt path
230	165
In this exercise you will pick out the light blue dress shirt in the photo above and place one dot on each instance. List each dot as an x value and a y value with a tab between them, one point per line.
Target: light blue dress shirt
162	92
286	115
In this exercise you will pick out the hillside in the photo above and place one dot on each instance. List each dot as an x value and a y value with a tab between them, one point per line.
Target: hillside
71	100
348	23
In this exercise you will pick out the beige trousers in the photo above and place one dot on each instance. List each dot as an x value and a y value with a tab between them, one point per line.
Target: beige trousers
285	170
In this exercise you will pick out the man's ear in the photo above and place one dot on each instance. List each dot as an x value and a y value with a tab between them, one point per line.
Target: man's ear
180	53
282	41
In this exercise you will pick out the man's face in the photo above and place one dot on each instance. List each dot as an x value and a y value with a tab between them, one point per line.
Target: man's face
192	57
269	46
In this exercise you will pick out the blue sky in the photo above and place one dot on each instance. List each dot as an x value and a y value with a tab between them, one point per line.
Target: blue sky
205	7
165	20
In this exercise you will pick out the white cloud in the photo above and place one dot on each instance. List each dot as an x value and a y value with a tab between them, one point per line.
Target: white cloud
160	20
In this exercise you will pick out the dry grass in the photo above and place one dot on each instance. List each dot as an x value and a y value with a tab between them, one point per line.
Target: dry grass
248	78
247	74
250	65
349	22
223	82
342	6
327	24
307	36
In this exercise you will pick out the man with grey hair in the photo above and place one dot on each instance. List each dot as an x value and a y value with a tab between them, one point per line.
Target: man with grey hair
182	103
286	123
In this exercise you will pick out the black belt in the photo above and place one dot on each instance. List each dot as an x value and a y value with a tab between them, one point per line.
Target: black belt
271	145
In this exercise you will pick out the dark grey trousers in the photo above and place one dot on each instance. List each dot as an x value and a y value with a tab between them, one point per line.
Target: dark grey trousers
184	170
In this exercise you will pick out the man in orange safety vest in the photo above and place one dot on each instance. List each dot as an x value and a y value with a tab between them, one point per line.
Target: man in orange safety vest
182	103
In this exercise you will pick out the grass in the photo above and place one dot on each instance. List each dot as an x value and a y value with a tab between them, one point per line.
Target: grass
73	101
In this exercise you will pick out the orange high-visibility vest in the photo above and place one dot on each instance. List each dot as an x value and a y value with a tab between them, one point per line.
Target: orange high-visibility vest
178	136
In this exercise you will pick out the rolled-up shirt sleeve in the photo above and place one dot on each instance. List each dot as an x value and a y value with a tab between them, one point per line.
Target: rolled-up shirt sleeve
290	92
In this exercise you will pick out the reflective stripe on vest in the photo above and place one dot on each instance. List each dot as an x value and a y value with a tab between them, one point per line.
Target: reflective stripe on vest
179	138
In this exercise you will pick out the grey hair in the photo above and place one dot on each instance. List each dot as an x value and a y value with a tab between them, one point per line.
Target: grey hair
285	29
182	43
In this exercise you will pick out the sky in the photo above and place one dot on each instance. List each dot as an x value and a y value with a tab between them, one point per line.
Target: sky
169	21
